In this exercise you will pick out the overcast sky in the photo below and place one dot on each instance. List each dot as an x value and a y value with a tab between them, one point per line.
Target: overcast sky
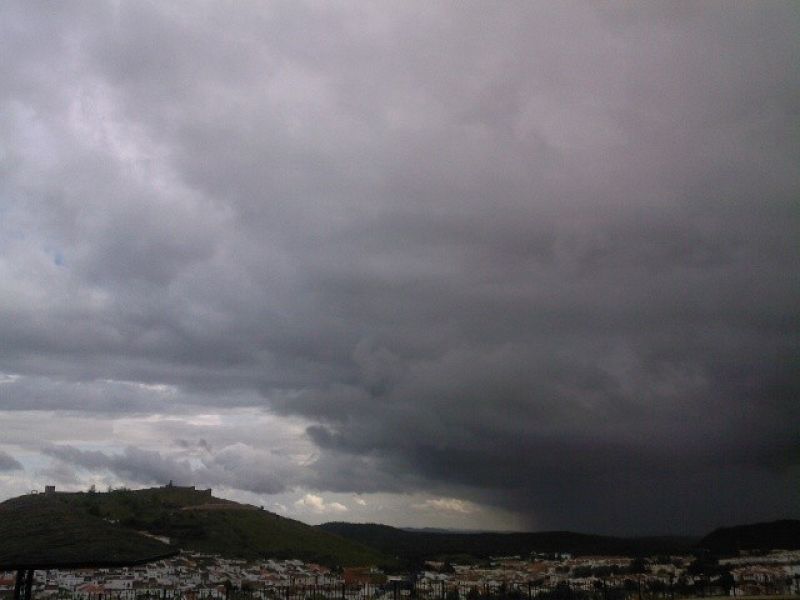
503	265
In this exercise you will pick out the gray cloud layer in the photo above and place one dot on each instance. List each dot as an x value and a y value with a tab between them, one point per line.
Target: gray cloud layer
544	256
233	467
8	462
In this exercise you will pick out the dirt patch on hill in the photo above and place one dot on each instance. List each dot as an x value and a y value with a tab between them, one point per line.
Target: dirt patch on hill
221	506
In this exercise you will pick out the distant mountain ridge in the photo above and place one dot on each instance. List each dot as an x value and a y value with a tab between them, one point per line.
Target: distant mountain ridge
783	535
195	520
419	545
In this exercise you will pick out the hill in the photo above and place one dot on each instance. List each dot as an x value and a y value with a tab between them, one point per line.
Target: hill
41	531
783	535
415	546
195	520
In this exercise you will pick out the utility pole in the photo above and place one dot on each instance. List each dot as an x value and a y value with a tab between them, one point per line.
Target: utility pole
20	581
28	584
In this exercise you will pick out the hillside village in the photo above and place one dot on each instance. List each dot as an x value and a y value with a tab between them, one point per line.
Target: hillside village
193	575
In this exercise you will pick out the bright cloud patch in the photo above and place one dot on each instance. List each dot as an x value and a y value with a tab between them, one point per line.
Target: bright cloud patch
450	505
317	505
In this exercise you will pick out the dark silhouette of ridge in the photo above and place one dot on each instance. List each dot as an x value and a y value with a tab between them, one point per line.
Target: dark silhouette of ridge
420	545
773	535
191	519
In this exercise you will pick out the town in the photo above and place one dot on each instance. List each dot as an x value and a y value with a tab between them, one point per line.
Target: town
193	576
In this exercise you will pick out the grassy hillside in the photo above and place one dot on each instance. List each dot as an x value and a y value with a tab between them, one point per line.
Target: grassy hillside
41	531
783	535
194	521
419	545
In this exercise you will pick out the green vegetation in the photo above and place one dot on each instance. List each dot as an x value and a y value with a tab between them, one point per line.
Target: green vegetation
413	547
80	528
196	521
41	531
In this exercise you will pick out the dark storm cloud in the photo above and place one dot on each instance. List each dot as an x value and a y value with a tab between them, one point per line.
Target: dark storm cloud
540	256
8	462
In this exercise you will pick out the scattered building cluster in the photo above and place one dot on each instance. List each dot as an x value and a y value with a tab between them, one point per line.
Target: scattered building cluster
195	576
776	572
188	575
753	573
